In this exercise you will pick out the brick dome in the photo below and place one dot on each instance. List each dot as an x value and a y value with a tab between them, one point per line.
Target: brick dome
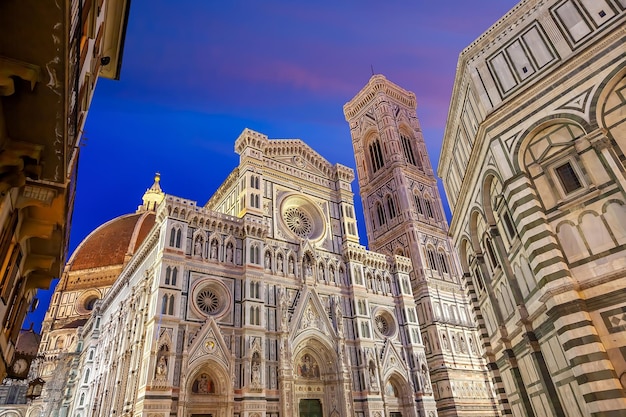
112	243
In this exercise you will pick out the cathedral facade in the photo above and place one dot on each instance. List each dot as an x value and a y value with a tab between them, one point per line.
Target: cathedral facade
533	164
262	302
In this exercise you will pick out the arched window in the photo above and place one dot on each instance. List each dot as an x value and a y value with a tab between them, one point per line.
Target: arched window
168	275
506	217
391	206
443	261
174	275
255	316
479	279
429	208
380	211
256	183
255	289
252	181
178	235
164	304
172	236
432	263
418	204
365	330
376	155
86	379
491	253
170	309
82	399
408	150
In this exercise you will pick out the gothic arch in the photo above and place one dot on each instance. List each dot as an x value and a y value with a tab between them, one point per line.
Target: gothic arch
489	177
528	137
208	389
398	393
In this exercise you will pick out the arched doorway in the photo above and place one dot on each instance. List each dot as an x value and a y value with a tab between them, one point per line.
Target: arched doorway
398	397
317	380
208	392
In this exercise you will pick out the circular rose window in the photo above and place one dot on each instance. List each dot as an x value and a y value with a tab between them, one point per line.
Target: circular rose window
302	217
210	298
382	325
385	323
298	221
208	301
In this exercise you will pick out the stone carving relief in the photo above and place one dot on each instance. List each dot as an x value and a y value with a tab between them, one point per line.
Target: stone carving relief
310	319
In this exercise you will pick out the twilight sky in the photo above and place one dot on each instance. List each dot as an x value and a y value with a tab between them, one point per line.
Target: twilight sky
196	73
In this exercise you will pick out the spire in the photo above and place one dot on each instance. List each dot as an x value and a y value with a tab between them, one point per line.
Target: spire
153	195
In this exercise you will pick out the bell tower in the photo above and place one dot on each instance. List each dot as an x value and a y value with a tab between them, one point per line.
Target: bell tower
404	216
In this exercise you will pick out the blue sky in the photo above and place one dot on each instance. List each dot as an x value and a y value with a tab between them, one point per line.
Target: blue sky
196	73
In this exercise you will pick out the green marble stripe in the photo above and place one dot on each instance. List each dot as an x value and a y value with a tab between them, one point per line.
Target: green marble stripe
573	326
595	376
604	395
581	341
591	357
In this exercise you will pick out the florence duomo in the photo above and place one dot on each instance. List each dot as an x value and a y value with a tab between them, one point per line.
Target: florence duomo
264	299
259	282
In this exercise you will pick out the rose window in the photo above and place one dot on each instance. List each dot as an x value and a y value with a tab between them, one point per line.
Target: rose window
298	221
208	301
385	323
382	325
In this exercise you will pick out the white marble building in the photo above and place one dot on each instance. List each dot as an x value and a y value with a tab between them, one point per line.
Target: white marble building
262	302
533	164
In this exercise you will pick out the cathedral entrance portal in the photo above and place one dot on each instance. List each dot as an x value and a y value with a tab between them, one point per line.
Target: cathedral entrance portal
310	408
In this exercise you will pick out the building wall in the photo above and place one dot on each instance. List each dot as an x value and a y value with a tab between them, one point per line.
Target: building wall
404	215
268	311
48	78
533	167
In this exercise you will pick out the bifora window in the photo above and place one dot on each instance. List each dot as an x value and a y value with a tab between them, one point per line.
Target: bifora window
568	178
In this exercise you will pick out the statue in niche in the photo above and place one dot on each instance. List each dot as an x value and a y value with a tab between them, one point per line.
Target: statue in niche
338	313
291	271
268	261
203	385
279	262
373	379
256	375
309	319
425	379
229	253
198	247
161	368
307	367
307	268
284	308
214	249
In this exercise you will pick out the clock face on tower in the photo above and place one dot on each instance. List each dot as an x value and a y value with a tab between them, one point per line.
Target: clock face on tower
20	366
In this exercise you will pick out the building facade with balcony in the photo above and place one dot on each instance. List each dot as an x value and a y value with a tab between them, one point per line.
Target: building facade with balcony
51	54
